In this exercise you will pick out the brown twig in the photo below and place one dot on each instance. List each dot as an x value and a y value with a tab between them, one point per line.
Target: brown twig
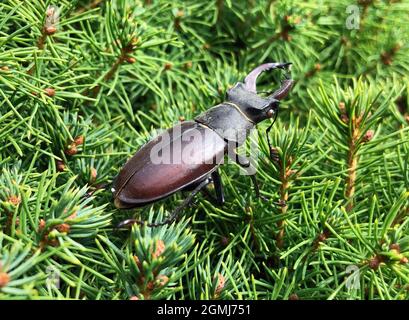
160	280
90	6
49	28
285	176
40	45
365	4
124	56
283	199
220	8
352	162
14	201
313	71
387	56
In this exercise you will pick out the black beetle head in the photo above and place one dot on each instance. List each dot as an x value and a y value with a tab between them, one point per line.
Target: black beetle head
245	95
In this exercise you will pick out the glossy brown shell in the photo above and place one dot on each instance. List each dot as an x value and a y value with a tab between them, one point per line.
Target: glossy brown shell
143	179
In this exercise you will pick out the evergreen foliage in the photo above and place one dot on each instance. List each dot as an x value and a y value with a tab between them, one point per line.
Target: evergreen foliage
84	84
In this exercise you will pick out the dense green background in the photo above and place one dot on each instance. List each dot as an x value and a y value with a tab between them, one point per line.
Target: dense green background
82	91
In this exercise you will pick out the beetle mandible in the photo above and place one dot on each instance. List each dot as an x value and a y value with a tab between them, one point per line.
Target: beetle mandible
143	181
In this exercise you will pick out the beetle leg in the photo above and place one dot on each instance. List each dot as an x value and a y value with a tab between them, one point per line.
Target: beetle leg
218	186
245	164
172	217
240	160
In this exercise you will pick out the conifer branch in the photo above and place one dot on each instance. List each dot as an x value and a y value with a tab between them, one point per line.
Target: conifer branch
335	194
352	162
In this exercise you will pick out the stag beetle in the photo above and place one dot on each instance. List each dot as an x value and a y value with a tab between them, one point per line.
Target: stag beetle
143	181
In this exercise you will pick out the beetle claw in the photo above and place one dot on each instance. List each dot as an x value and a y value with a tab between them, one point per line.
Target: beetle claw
251	79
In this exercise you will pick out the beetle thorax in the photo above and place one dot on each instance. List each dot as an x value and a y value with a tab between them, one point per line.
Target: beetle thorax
228	121
254	107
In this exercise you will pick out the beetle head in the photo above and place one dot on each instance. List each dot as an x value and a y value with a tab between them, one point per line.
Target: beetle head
255	107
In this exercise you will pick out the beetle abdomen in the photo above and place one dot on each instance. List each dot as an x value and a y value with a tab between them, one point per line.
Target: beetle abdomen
178	157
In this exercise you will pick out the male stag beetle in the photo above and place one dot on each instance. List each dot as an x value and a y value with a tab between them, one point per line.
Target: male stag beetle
191	164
